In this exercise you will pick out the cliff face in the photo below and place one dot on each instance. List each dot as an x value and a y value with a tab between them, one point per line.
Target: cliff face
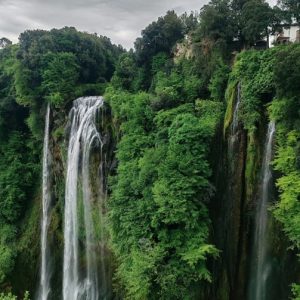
101	165
238	181
237	178
25	276
235	159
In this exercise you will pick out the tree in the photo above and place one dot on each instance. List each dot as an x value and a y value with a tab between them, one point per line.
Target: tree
4	42
236	23
126	71
60	77
287	73
292	9
190	21
216	22
96	56
159	36
255	20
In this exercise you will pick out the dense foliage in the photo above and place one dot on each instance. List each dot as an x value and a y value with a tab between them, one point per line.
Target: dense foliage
60	65
53	67
169	97
291	9
285	110
10	296
158	211
269	79
18	163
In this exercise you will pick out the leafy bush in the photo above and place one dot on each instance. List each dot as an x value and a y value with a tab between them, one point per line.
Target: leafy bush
10	296
60	77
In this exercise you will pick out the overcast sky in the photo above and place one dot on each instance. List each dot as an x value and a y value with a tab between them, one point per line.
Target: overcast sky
120	20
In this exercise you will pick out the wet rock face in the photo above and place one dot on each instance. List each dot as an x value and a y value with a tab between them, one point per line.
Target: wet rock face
235	236
236	169
228	214
237	180
100	167
102	163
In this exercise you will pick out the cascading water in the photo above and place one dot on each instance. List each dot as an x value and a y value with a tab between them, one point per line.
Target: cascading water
261	268
83	136
233	133
44	289
235	122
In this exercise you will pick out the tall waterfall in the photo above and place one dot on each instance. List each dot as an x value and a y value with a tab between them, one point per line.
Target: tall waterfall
78	195
233	135
44	289
261	268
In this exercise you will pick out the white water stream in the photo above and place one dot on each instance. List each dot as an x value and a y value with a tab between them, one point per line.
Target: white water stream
83	136
44	289
261	267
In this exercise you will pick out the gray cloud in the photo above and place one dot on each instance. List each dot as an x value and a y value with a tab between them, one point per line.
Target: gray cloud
121	20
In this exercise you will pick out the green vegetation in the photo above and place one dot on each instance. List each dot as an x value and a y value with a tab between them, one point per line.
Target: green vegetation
291	9
58	66
19	164
10	296
269	79
285	111
158	209
169	98
53	67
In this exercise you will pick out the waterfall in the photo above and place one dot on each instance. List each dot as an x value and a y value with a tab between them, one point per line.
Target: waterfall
235	119
233	135
44	289
261	268
83	136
